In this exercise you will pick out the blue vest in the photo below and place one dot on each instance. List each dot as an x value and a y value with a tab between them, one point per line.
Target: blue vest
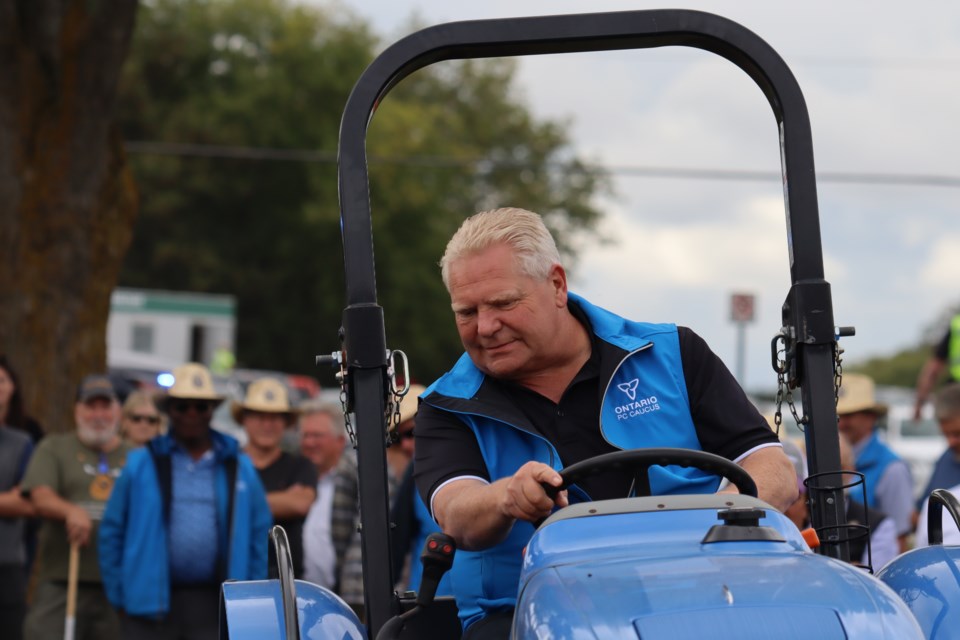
645	405
872	462
946	475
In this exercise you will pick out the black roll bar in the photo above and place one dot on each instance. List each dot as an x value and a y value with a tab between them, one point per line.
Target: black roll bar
807	311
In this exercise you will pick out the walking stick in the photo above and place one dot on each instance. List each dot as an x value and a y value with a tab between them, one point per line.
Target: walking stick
71	621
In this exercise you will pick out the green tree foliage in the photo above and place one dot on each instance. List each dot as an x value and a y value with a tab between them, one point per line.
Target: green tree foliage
898	370
260	75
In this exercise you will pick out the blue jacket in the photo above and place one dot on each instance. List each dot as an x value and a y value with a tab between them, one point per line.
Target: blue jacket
946	474
645	405
133	538
872	462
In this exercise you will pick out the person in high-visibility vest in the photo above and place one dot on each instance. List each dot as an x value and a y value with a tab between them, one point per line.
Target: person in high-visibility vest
223	361
946	355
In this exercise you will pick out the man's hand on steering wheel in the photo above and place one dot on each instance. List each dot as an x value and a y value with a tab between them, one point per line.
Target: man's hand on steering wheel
524	496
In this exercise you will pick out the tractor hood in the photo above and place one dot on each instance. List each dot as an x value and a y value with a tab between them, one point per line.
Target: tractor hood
608	573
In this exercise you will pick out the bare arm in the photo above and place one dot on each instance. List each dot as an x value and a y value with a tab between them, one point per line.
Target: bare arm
14	505
932	369
49	505
292	502
480	515
775	476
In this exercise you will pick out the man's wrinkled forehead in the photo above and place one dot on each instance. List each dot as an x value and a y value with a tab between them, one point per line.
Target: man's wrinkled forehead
493	299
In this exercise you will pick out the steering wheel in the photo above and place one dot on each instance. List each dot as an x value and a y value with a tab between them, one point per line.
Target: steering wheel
640	461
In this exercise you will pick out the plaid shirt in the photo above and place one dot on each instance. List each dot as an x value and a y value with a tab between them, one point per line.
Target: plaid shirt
350	574
345	514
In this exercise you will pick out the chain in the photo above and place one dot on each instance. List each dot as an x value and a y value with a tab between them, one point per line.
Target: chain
837	371
395	397
395	394
347	421
785	392
392	410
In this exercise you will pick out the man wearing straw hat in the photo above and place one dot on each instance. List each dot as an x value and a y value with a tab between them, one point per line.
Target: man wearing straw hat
69	480
187	513
889	485
289	480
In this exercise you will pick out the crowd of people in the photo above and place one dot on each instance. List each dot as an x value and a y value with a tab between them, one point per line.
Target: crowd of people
881	493
147	509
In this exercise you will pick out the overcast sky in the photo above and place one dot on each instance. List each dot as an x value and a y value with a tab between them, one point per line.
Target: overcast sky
882	85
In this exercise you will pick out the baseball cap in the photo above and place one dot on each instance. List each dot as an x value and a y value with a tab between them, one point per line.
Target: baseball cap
96	386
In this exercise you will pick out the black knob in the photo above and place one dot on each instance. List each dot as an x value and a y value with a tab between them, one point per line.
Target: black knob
742	517
436	558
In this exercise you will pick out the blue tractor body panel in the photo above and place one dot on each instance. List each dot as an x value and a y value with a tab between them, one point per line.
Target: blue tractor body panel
639	568
253	610
928	581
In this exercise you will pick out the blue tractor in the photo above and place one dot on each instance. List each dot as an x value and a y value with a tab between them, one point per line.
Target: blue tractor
681	566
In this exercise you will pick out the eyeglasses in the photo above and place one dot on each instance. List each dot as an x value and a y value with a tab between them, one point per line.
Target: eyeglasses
200	406
141	418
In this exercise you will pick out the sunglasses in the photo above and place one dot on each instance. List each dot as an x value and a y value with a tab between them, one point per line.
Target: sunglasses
140	418
183	406
406	435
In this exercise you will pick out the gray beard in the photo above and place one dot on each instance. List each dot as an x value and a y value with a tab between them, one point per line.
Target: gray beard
96	439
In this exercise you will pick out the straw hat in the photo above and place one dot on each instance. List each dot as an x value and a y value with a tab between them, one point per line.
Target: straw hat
408	406
193	381
266	395
857	393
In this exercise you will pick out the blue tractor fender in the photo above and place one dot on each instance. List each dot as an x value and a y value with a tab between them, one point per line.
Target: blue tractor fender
254	610
928	578
285	608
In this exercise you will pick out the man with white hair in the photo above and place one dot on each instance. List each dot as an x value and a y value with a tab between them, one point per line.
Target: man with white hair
548	380
69	480
331	522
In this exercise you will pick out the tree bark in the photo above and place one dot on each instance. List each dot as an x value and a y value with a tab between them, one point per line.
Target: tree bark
67	196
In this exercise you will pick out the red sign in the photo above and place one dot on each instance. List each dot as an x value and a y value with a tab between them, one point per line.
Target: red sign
741	307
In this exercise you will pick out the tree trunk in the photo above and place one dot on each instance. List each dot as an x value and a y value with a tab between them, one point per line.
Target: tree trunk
67	196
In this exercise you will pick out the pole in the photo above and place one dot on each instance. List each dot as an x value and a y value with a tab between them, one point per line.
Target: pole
741	353
71	620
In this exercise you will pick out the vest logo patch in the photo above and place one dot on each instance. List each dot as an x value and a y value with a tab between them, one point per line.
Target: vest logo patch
635	407
629	388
